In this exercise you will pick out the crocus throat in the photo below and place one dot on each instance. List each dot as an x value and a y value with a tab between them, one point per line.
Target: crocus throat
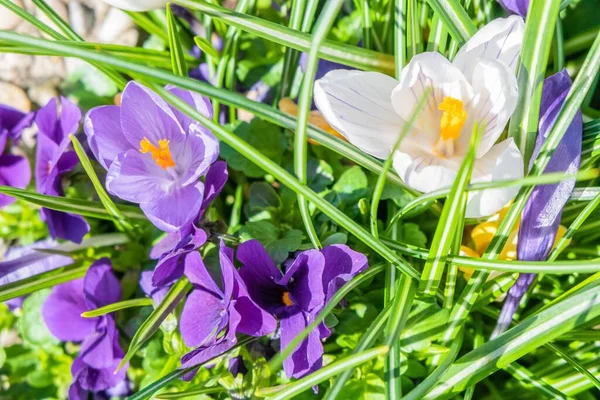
161	154
452	121
286	299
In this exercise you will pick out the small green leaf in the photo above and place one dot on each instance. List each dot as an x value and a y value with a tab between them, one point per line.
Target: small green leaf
33	329
117	306
206	47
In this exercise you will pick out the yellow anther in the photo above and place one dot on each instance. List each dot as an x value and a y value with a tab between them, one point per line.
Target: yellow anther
453	118
161	154
286	299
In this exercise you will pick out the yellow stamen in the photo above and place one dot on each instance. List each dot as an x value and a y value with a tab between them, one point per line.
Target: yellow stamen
161	154
453	118
286	299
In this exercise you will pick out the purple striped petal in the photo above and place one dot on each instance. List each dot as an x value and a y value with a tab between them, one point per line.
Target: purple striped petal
519	7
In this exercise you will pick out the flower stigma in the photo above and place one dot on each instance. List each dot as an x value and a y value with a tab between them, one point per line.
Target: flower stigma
161	154
452	121
287	299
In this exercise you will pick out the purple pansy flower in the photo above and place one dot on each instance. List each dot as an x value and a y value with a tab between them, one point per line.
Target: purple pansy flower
53	160
100	353
154	153
298	295
14	169
518	7
213	314
172	249
541	216
157	294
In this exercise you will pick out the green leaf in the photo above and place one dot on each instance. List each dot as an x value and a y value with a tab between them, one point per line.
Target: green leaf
352	183
175	294
2	356
368	387
177	59
258	133
262	196
411	234
456	20
121	305
41	281
32	326
206	47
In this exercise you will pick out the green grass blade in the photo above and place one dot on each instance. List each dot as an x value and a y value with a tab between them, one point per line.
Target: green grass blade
173	297
321	30
438	36
291	56
86	208
191	392
452	215
121	305
327	372
400	36
177	59
525	376
148	25
25	16
456	20
537	42
330	50
518	341
118	217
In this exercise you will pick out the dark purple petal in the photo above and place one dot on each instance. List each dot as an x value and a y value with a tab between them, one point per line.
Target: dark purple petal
65	226
15	172
62	312
97	349
341	265
519	7
215	180
202	354
198	275
170	267
58	125
203	317
14	121
96	380
304	279
542	213
101	286
23	262
511	303
156	293
102	126
165	245
308	357
259	272
237	366
76	392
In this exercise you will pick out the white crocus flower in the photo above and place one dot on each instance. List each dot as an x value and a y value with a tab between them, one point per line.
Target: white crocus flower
137	5
480	85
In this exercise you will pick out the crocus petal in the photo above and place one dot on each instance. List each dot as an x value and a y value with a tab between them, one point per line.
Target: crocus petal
70	115
102	126
135	178
357	104
503	162
101	286
45	154
341	265
308	356
215	180
193	155
202	318
65	226
137	5
200	103
494	103
423	171
144	114
518	7
62	312
542	213
499	40
58	124
428	71
176	208
323	68
15	172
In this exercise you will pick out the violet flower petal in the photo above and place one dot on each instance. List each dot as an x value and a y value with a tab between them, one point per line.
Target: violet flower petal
308	355
101	286
14	121
175	209
214	182
62	312
519	7
15	172
341	265
202	318
156	293
103	129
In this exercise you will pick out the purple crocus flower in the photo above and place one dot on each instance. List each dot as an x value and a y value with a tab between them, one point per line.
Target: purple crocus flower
298	295
541	216
154	153
14	169
100	353
172	249
213	314
53	159
518	7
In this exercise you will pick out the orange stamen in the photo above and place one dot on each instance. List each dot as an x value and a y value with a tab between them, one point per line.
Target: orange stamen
286	299
161	154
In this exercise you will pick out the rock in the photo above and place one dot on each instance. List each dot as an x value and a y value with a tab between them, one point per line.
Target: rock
42	93
8	19
14	96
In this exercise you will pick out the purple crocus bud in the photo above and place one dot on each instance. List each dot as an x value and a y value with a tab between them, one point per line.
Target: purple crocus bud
14	169
100	353
154	153
541	216
518	7
210	311
297	296
54	159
